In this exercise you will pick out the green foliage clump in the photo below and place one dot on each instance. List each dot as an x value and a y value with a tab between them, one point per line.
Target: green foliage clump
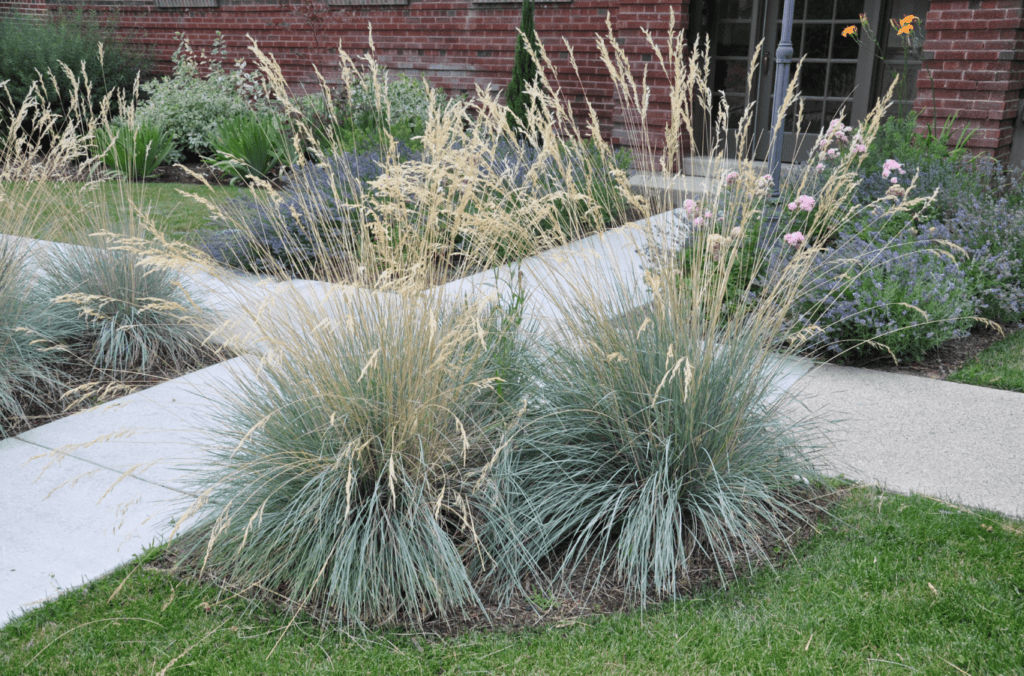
524	69
252	145
34	46
191	106
135	150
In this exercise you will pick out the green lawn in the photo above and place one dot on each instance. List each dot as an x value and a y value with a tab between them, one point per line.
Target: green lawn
893	585
1000	366
94	206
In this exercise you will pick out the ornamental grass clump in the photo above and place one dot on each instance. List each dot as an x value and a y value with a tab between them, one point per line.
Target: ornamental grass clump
472	196
30	374
346	479
659	445
121	315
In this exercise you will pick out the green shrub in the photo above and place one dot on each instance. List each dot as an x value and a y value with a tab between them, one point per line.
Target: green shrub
952	170
122	316
191	107
33	45
347	470
399	105
134	150
251	146
29	373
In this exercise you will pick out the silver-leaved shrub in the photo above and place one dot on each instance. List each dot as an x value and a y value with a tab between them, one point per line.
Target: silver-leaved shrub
200	96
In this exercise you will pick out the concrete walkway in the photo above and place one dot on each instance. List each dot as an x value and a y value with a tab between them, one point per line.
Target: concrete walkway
911	434
82	495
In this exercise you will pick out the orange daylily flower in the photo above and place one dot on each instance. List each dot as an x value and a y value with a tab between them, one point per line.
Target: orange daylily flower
905	30
908	19
849	31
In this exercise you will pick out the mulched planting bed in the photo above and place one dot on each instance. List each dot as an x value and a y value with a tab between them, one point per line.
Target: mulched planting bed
580	600
948	358
87	387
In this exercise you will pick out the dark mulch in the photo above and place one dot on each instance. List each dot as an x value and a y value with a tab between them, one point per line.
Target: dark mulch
580	598
188	174
948	358
87	387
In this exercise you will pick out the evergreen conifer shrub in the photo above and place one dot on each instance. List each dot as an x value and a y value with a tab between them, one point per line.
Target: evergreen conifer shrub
524	70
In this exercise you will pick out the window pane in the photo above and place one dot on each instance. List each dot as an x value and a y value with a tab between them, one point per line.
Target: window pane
736	105
847	10
812	79
734	39
811	120
842	77
819	9
817	41
731	76
737	9
832	109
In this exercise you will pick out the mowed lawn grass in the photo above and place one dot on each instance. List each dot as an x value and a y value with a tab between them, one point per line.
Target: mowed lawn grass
1001	365
891	585
68	206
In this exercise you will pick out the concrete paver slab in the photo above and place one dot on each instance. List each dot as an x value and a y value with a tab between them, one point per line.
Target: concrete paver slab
68	522
160	433
913	434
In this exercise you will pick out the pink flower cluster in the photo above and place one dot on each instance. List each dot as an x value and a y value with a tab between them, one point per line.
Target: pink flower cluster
765	183
839	134
889	166
794	239
732	177
803	202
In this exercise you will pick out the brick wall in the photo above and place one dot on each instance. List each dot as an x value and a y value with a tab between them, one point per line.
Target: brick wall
456	44
974	49
974	68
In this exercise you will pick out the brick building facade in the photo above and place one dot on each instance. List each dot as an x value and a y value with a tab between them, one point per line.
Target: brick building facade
973	50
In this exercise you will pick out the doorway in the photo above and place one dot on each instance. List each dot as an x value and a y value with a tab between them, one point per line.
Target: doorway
836	76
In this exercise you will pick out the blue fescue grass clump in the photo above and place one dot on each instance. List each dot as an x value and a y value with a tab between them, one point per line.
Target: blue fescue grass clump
30	373
657	444
122	316
348	472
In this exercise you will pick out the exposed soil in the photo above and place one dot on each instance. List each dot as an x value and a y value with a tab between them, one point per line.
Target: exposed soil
946	359
580	599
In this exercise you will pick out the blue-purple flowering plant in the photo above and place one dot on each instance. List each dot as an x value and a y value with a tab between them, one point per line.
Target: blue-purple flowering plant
872	296
991	235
